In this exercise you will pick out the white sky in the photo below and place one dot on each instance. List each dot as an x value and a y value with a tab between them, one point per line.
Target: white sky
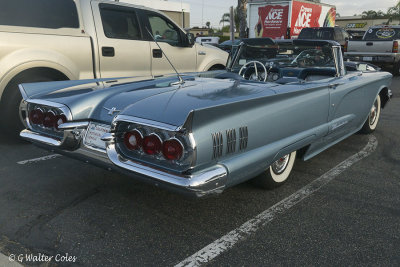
214	9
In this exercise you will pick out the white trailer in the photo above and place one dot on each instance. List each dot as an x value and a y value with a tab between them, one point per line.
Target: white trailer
283	19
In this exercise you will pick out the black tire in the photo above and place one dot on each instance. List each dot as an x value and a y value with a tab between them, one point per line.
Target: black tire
373	117
396	69
11	99
278	173
217	67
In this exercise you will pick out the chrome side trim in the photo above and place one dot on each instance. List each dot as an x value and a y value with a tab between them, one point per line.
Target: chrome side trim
194	148
61	107
150	123
200	184
73	125
22	91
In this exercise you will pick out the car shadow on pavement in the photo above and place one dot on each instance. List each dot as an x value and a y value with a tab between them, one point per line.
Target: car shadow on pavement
8	139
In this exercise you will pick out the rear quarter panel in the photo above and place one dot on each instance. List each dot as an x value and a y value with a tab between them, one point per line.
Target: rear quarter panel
276	125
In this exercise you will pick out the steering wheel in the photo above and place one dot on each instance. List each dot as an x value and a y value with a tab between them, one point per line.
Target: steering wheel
254	62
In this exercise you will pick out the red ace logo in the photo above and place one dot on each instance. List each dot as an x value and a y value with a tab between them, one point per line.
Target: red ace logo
274	14
272	21
304	17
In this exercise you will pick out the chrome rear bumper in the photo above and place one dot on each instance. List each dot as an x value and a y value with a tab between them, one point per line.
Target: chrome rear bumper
205	182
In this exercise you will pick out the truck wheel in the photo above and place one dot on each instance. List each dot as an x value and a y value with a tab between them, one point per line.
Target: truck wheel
217	67
396	69
278	173
373	117
10	102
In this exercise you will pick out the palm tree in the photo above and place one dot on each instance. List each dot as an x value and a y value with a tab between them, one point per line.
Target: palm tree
208	24
370	14
225	18
394	12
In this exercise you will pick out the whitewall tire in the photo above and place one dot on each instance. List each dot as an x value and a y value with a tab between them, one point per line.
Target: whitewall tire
373	117
278	173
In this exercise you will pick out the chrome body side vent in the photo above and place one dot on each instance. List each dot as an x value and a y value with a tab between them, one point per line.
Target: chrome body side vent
218	144
230	141
243	137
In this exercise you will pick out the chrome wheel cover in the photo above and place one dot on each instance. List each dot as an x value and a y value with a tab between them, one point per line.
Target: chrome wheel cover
279	166
373	113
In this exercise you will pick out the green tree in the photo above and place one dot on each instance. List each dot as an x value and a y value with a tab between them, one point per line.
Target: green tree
372	14
394	12
225	18
208	24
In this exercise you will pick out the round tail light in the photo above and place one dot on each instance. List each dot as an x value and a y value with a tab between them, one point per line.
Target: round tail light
152	144
60	119
172	149
133	140
49	119
36	116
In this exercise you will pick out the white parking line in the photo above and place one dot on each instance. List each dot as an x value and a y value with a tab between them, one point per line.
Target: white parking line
38	159
228	241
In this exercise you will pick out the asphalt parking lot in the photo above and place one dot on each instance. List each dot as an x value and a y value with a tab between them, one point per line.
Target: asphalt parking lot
85	216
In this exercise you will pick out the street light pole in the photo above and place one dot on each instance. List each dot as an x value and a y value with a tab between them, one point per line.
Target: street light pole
232	26
202	13
183	15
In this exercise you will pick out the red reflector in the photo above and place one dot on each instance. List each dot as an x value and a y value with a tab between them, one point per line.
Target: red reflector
172	149
152	144
36	116
395	47
345	46
49	119
133	140
60	119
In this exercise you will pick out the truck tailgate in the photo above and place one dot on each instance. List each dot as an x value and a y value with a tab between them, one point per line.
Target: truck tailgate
370	47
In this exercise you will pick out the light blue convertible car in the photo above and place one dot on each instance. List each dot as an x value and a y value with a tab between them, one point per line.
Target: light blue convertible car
204	132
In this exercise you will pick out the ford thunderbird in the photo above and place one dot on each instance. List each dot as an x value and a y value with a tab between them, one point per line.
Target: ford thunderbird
200	133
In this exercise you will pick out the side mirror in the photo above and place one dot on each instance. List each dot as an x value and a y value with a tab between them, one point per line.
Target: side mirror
190	39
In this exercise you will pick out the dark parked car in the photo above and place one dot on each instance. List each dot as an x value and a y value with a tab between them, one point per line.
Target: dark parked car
227	45
326	33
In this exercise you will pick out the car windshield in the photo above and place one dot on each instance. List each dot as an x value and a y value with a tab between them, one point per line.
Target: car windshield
285	55
382	34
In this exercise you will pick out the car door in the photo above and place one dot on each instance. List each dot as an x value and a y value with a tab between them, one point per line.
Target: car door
123	51
171	40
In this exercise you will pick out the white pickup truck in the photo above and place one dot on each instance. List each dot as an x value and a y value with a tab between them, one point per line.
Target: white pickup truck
47	40
380	46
